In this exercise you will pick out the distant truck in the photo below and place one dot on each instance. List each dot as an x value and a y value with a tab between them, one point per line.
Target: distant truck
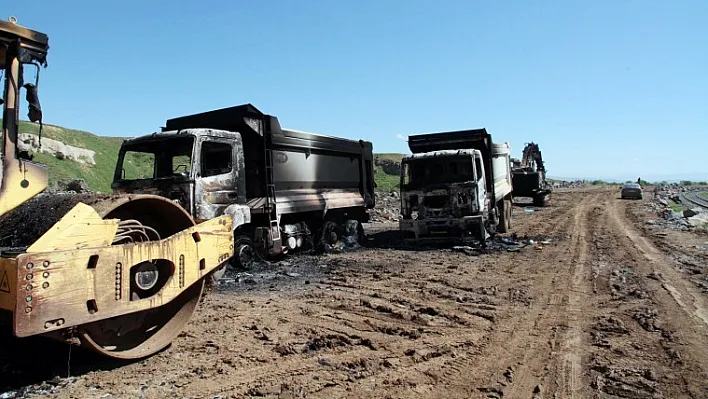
285	189
456	186
528	176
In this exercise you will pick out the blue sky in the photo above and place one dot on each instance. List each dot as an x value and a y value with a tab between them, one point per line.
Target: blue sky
607	88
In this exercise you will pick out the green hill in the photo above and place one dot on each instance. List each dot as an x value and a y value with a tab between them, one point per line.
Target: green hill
100	175
387	179
389	156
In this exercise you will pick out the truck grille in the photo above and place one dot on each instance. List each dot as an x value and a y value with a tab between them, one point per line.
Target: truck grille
436	201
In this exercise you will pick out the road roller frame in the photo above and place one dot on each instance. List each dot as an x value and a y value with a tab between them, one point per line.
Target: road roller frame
79	273
73	275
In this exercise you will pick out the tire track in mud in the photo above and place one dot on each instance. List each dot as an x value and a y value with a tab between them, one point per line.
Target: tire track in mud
410	325
573	319
579	299
652	339
441	355
685	294
515	358
558	368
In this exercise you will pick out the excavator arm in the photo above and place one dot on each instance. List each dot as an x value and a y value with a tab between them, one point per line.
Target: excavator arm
532	159
529	175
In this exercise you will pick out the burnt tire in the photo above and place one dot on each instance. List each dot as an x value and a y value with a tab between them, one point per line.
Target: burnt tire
244	253
360	234
329	236
505	217
491	225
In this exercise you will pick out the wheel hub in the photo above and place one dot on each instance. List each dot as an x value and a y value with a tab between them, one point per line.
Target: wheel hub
245	255
146	276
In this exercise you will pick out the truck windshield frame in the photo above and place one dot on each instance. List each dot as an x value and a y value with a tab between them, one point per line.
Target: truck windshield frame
435	171
162	158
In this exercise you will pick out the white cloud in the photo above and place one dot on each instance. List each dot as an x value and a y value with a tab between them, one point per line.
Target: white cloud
401	137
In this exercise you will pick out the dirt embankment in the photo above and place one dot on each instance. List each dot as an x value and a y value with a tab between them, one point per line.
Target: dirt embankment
600	311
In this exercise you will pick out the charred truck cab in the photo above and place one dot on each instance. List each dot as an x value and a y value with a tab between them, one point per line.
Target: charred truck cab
284	189
455	187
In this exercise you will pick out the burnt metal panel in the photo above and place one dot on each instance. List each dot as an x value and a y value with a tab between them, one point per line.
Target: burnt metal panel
301	160
477	139
36	43
216	192
232	119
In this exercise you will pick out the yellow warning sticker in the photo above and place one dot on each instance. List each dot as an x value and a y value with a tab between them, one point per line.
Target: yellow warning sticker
4	282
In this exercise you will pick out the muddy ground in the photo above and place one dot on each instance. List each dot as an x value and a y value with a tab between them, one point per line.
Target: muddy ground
606	308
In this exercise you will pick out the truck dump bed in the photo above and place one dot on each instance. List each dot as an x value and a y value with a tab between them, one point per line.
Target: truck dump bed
477	139
304	165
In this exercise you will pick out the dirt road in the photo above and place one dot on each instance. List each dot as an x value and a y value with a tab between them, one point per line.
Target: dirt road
601	311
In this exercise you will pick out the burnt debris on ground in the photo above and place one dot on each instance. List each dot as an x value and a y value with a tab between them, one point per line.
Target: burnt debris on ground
297	271
388	237
281	275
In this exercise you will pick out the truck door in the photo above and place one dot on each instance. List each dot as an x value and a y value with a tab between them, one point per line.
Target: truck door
217	177
481	182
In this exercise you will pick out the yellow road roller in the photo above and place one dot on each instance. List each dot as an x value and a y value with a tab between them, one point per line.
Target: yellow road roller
119	274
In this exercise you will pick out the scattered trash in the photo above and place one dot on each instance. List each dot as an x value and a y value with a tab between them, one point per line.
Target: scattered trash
529	209
465	249
509	241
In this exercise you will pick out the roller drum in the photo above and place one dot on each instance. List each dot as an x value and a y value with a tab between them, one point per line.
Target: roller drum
143	217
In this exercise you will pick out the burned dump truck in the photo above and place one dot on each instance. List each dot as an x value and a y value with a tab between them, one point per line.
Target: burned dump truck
285	189
456	186
528	176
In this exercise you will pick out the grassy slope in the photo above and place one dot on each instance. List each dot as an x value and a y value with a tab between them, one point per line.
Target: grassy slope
389	156
675	207
386	182
99	176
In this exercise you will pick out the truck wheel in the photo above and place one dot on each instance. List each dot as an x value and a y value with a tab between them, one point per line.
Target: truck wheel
510	211
245	254
360	234
492	226
329	235
504	216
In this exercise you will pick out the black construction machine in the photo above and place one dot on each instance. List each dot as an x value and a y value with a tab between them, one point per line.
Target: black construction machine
528	176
